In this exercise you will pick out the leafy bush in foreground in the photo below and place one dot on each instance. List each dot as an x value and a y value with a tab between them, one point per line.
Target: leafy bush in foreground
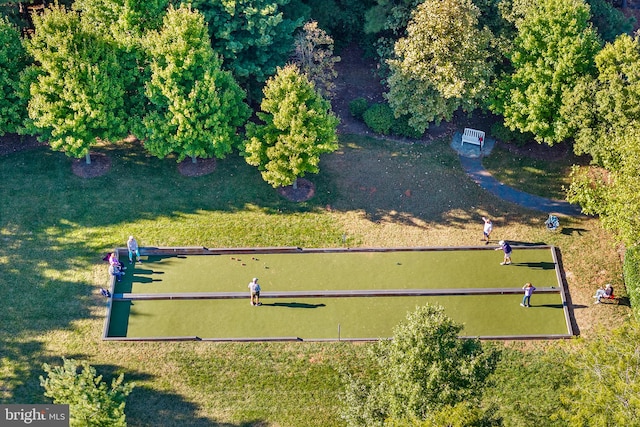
424	369
91	401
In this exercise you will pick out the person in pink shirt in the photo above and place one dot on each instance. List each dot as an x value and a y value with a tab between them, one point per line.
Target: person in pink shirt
113	260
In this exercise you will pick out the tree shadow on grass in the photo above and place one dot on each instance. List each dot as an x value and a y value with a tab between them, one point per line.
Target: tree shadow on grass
144	407
412	184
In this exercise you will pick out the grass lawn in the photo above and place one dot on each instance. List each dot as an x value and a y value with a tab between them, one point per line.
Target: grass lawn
536	176
56	227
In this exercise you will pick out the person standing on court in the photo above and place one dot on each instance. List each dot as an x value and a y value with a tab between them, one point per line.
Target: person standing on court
528	290
132	246
488	228
254	291
506	248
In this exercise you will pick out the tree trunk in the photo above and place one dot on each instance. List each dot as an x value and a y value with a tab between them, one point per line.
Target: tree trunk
194	159
88	157
295	184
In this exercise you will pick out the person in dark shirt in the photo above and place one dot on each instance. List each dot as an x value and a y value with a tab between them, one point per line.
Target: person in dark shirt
506	248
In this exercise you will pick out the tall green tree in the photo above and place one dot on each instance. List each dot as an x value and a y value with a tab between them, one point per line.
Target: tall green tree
613	194
253	37
77	86
604	113
343	20
298	126
388	19
313	54
124	23
609	21
554	48
606	389
196	108
134	17
13	60
422	370
92	402
442	64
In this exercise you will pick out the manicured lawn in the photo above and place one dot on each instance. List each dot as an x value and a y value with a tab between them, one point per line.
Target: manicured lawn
55	228
546	178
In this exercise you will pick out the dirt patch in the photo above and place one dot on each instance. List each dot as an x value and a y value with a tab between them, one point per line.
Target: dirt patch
538	151
12	143
100	165
356	79
305	191
200	168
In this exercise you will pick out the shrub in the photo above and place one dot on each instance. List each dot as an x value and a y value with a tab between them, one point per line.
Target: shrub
401	127
631	269
504	134
426	368
379	118
92	402
357	107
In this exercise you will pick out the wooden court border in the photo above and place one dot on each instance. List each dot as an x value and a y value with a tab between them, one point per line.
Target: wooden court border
562	289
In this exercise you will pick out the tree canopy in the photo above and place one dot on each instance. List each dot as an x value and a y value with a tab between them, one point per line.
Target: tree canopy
442	64
92	403
604	112
606	389
196	108
425	368
13	60
77	87
253	36
609	21
132	17
313	54
555	46
124	23
298	126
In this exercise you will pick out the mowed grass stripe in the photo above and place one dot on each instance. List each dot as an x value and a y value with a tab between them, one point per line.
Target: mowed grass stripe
450	269
318	318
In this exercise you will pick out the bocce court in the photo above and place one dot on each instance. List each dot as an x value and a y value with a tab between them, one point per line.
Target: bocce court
198	293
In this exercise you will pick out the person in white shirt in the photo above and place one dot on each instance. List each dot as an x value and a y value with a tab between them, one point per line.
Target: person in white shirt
254	290
488	228
132	246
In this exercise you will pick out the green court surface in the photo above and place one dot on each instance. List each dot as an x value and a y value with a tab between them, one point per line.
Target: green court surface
492	310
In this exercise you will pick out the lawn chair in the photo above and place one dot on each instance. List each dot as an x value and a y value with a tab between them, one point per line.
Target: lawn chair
552	223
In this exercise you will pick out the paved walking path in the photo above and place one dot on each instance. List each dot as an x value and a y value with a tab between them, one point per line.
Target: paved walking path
471	161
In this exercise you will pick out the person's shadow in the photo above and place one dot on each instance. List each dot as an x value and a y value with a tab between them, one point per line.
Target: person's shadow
536	265
293	305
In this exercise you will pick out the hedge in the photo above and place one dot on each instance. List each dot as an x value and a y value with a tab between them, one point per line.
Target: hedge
631	269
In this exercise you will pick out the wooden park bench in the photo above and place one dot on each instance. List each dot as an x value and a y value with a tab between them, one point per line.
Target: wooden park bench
473	136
